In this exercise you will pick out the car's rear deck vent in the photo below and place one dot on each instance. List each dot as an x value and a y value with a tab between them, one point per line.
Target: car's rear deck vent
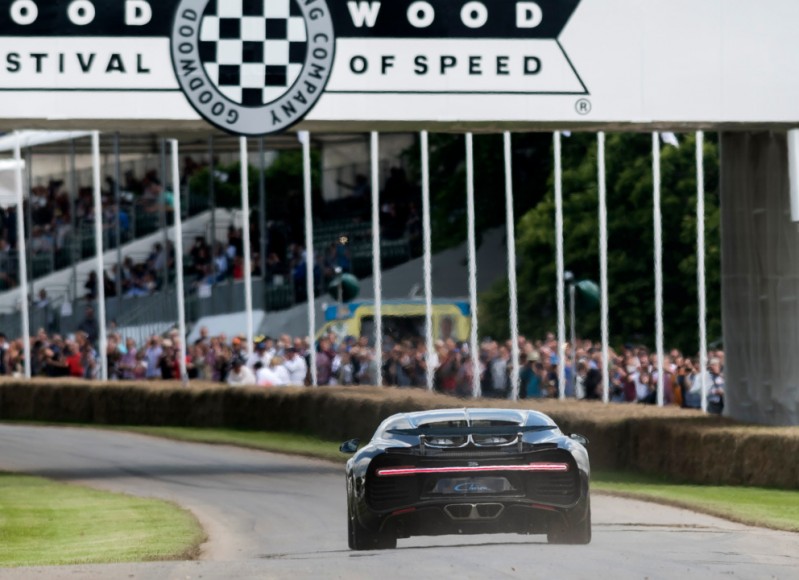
471	511
459	511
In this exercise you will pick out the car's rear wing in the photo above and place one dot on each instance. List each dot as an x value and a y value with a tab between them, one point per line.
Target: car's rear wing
499	430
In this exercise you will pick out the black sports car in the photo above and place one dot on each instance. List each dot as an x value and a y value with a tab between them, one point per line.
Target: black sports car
467	471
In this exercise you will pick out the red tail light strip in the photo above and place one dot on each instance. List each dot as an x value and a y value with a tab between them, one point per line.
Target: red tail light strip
479	468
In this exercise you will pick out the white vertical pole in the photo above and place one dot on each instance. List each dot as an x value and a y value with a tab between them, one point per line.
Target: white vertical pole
245	210
512	290
376	261
700	263
561	297
427	257
179	261
658	265
98	245
22	256
305	139
603	265
473	344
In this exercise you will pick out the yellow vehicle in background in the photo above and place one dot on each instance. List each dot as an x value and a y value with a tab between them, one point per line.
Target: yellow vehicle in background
402	319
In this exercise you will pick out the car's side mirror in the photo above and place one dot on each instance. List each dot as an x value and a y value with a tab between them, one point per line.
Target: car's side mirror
581	439
350	446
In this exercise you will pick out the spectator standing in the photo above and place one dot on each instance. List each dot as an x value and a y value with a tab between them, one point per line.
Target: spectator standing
240	374
152	355
89	325
296	367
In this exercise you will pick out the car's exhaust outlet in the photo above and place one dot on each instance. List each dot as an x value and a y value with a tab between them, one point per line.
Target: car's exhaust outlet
474	511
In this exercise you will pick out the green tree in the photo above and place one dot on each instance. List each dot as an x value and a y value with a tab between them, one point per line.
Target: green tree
630	243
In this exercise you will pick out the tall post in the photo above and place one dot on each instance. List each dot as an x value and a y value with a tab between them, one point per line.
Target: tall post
376	260
118	202
700	264
512	290
184	377
656	218
305	139
262	207
472	251
560	268
98	246
603	265
22	256
427	259
245	210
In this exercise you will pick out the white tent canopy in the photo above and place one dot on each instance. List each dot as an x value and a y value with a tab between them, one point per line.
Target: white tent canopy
36	138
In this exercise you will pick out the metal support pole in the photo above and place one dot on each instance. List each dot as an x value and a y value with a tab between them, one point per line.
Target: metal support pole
376	253
305	139
512	290
428	265
472	251
21	258
245	210
700	264
658	265
98	246
184	377
560	268
603	265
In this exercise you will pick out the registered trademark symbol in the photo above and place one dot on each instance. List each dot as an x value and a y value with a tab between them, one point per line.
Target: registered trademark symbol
583	106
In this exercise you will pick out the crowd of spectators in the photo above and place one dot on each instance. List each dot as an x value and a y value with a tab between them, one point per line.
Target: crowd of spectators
351	361
60	221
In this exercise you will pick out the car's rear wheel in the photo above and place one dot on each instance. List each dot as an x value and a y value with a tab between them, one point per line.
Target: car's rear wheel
573	528
359	538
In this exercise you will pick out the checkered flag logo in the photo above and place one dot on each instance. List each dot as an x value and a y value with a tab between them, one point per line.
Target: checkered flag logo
253	50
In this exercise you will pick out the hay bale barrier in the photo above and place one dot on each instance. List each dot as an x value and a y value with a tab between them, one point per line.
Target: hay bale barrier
676	443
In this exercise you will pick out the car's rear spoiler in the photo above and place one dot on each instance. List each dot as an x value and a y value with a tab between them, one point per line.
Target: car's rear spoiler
430	431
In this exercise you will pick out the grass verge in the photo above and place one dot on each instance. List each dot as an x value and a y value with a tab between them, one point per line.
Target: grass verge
770	508
43	522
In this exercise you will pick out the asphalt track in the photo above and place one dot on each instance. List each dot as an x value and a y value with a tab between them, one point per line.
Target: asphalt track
276	516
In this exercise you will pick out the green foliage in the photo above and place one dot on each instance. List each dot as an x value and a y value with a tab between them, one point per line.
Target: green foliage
630	243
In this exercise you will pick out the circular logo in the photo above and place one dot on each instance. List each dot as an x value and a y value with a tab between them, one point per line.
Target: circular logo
252	67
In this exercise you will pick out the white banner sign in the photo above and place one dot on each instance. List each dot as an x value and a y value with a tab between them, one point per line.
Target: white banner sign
261	66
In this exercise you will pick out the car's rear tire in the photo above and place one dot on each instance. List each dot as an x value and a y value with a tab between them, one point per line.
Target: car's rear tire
360	538
573	528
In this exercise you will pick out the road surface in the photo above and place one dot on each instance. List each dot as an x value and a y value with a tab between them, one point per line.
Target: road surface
276	516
